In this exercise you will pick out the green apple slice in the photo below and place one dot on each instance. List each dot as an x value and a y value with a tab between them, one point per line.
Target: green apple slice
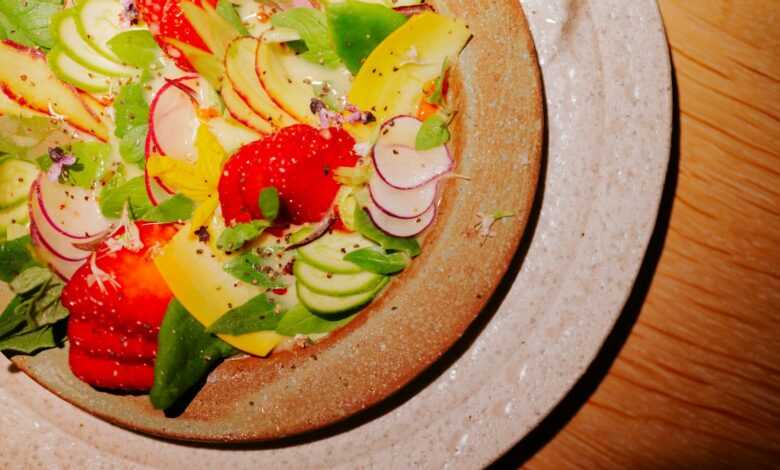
16	177
98	21
65	29
70	71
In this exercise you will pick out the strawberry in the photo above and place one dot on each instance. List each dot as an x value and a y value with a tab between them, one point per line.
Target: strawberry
117	302
150	12
299	162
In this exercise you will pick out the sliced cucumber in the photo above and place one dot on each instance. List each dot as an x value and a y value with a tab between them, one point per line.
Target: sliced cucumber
328	252
98	22
65	29
338	285
70	71
16	177
329	305
18	215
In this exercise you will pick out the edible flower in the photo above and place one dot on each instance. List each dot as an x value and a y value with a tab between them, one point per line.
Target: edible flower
60	161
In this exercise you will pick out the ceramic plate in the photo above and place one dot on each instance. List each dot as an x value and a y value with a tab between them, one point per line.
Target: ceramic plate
607	81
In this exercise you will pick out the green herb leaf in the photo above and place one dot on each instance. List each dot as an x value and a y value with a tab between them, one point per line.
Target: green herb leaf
377	261
228	12
365	226
269	203
136	47
311	24
130	108
48	309
132	147
185	355
175	209
248	267
46	337
27	21
256	315
29	279
15	257
132	192
92	159
12	317
300	321
437	97
233	238
433	133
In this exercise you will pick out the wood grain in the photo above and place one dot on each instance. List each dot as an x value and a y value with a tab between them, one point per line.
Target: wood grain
697	383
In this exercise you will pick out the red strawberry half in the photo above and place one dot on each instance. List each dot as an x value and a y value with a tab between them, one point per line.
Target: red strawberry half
299	162
117	302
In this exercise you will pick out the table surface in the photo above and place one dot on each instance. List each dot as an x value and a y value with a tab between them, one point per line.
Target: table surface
690	378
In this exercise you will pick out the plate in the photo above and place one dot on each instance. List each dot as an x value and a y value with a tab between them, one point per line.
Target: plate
607	80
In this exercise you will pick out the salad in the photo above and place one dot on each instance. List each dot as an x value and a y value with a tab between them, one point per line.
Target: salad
183	181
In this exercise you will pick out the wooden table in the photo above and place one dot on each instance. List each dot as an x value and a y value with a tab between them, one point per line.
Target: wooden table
691	376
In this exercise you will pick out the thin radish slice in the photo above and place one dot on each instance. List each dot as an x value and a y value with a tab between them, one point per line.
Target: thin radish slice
71	211
397	161
402	203
64	268
155	189
174	120
403	228
55	242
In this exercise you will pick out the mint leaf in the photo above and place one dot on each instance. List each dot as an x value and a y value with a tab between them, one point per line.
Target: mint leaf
130	108
433	133
46	337
269	203
27	21
256	315
312	25
133	192
15	257
132	147
185	355
228	12
300	321
233	238
365	226
253	269
175	209
92	159
136	47
377	261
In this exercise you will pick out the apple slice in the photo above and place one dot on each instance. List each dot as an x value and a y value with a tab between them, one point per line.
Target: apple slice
240	70
174	120
28	80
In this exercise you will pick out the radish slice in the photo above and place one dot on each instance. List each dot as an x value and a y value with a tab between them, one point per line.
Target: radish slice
402	203
174	119
155	189
403	228
64	268
55	242
399	163
71	211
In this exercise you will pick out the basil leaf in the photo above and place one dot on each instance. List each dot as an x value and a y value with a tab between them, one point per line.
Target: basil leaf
377	261
27	21
130	109
300	321
256	315
175	209
269	203
48	309
92	159
433	133
15	257
249	268
27	343
365	226
29	279
12	317
136	47
132	146
185	355
233	238
228	12
311	24
132	192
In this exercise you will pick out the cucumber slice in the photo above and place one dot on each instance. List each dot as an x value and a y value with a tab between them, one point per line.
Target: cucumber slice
338	285
18	215
329	305
65	29
328	252
98	22
70	71
16	177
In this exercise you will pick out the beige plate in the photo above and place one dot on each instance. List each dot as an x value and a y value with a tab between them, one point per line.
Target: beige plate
607	81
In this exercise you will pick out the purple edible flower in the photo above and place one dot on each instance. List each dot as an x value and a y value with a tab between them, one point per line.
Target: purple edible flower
60	161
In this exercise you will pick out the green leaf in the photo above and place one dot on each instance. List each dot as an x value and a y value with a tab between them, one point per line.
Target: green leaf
312	25
358	28
227	11
256	315
27	21
12	317
251	269
300	321
269	203
377	261
365	226
130	108
437	97
185	355
132	147
29	279
27	343
132	192
433	133
15	257
48	309
92	160
136	47
233	238
175	209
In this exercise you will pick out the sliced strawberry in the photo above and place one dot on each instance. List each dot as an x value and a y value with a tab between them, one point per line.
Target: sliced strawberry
111	374
99	341
151	13
234	171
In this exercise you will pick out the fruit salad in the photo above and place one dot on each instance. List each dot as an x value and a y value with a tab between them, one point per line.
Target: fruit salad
183	181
